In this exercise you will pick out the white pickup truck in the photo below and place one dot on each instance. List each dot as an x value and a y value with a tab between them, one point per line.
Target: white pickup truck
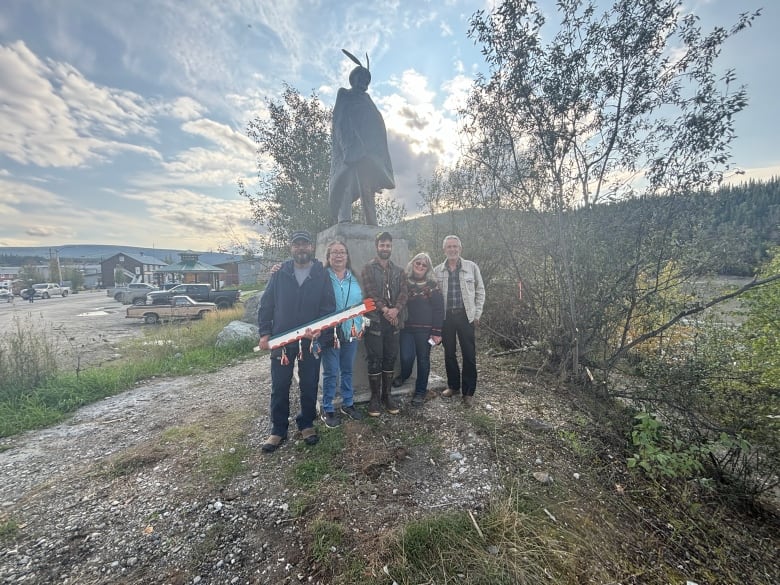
46	290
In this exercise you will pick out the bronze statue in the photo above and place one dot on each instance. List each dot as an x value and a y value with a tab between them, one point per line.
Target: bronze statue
360	163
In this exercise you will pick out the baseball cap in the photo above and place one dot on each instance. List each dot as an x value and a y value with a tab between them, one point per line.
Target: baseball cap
300	235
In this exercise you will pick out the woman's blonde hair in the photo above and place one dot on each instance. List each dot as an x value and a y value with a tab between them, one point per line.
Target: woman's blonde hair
429	264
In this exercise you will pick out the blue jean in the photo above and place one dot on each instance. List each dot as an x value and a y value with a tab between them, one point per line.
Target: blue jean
414	343
335	362
281	379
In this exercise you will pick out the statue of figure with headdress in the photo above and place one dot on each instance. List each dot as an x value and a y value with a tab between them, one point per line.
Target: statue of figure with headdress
360	163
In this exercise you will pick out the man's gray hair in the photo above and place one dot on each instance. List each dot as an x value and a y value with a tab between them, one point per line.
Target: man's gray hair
451	237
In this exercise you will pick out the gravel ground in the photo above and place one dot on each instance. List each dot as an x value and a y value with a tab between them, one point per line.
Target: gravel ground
110	497
123	492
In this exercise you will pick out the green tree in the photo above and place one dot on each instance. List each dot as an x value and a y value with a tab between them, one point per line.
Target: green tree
295	141
55	269
616	105
74	276
29	274
120	278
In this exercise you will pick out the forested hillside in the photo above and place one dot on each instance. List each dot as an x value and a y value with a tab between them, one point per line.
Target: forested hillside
732	228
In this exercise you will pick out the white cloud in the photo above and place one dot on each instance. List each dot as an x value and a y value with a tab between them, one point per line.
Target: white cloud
755	174
413	115
27	198
200	166
446	29
53	117
421	134
220	134
50	232
185	108
457	89
30	214
187	218
413	87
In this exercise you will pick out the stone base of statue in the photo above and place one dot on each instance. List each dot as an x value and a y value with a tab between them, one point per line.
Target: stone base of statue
360	241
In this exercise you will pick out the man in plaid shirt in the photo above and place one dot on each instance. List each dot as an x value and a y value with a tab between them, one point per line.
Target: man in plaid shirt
385	283
464	298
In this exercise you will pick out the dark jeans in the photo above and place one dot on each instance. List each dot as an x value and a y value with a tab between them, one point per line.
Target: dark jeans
456	324
414	343
381	341
281	379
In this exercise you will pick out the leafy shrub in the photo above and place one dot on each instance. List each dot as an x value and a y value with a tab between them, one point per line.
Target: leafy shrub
715	410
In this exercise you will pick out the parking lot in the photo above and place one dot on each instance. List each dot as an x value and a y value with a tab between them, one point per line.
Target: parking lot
91	322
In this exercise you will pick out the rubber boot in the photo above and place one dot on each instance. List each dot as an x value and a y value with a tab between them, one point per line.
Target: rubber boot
387	400
374	406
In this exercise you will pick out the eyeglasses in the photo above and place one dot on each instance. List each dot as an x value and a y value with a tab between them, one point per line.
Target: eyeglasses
334	253
422	263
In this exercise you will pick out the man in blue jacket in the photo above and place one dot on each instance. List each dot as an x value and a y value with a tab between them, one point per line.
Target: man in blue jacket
299	292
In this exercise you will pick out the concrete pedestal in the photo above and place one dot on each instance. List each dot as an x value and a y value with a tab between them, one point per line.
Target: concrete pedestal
360	241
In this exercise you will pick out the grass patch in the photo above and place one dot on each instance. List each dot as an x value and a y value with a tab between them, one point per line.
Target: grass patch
134	460
320	461
515	543
575	443
8	530
333	552
218	450
327	538
300	504
174	349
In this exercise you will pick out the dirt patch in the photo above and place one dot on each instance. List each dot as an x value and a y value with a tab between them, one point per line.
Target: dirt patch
125	491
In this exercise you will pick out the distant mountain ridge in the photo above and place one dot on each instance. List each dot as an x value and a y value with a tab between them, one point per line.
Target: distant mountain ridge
100	252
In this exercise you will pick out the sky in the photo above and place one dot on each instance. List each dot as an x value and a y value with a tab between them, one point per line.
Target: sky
125	122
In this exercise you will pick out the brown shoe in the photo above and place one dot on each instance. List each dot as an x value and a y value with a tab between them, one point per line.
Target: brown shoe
468	401
310	436
272	443
449	393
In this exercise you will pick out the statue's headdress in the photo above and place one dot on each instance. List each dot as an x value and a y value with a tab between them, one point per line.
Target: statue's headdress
359	67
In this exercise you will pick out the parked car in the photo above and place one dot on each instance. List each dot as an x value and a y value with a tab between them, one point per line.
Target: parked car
46	290
130	293
181	307
6	295
197	292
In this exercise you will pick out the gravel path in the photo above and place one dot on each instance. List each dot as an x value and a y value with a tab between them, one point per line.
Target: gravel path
106	498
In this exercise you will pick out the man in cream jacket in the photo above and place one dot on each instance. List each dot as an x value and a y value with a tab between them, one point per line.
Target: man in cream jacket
464	297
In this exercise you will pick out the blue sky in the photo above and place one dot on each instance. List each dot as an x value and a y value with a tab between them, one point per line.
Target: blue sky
124	122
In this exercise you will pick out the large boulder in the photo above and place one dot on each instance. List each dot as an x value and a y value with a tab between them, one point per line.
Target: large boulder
236	332
251	304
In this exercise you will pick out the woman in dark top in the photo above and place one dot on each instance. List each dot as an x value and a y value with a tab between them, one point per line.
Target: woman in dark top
422	328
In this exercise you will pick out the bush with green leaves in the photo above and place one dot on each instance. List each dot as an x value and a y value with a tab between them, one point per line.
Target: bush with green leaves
712	407
762	327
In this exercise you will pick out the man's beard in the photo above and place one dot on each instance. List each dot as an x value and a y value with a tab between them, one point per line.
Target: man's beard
302	258
384	254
